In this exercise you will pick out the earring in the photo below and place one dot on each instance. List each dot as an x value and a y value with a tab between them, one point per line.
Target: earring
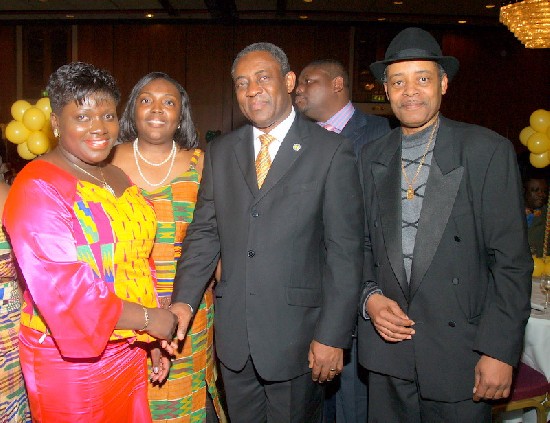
179	126
56	133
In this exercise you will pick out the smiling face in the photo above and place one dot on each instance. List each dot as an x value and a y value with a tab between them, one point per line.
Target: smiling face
263	93
89	130
415	89
315	93
158	111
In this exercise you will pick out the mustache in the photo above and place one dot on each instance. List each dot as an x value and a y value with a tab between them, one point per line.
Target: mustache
412	103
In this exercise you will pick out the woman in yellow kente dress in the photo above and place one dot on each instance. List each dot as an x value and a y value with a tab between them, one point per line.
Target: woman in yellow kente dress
161	157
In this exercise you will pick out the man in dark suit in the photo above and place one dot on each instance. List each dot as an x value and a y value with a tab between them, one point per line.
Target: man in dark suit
447	264
290	244
322	94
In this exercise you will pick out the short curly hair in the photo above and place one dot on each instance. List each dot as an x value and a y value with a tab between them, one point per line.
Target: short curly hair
185	136
278	54
77	81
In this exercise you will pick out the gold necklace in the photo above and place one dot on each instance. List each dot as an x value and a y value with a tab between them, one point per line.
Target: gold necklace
102	181
410	189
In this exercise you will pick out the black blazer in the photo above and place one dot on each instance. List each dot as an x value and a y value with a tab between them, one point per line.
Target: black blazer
292	251
471	274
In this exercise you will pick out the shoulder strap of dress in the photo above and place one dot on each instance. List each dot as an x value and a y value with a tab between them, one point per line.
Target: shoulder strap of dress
195	158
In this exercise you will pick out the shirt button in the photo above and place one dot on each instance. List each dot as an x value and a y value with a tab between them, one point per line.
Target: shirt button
251	253
455	281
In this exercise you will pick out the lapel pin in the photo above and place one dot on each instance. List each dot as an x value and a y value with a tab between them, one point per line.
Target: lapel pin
296	147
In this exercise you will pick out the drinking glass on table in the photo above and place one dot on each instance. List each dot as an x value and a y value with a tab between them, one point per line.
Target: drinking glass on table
545	287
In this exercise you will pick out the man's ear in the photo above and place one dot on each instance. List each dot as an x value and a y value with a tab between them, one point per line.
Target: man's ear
338	84
290	81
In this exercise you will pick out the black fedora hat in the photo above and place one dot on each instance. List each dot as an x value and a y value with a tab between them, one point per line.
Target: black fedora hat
415	44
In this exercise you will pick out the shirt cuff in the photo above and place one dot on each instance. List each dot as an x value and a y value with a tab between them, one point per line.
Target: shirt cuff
364	310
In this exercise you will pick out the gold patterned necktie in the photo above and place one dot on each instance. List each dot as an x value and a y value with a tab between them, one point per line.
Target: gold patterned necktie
263	161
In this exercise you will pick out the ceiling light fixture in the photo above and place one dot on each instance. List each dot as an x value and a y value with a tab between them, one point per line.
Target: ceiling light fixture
149	15
398	2
303	17
490	6
529	21
308	1
462	22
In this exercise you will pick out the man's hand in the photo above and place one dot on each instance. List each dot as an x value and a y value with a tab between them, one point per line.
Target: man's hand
325	362
183	312
493	379
389	320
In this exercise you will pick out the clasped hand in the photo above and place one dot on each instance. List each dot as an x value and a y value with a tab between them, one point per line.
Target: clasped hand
184	316
390	321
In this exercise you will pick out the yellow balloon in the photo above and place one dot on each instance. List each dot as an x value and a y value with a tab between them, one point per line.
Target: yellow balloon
38	143
34	119
538	143
16	132
538	268
540	120
546	266
24	152
525	134
18	109
44	105
539	160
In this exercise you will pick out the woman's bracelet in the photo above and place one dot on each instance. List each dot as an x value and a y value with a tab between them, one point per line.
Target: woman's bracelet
146	315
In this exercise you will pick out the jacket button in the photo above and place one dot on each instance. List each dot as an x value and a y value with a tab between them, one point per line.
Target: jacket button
457	238
376	223
452	324
255	213
251	253
455	281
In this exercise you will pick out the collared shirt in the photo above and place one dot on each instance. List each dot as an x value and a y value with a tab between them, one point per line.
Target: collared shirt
279	132
340	119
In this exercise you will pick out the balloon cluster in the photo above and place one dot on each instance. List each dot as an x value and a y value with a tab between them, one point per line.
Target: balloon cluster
31	129
536	137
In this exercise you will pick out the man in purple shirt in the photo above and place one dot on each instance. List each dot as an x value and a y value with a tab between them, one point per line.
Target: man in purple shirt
323	95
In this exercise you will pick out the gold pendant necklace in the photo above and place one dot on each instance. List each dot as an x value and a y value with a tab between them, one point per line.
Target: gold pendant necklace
410	189
102	181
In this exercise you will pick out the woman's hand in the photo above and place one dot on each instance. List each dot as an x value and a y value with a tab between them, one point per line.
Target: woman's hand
162	323
160	365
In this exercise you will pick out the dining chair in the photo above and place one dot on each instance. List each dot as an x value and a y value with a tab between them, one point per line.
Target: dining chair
530	389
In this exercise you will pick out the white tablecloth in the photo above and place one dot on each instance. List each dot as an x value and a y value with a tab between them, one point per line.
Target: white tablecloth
536	350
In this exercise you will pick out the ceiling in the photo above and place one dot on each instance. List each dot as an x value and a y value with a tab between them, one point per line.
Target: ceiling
409	11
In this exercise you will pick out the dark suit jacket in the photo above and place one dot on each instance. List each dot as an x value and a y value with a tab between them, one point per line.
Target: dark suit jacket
292	251
363	128
471	274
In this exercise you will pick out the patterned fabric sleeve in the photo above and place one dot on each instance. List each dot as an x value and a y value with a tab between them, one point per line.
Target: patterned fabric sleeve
79	309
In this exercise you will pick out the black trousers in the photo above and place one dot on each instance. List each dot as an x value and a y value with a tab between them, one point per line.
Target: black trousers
251	399
393	400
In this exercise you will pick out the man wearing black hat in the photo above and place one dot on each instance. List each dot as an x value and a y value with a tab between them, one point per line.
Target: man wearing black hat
447	264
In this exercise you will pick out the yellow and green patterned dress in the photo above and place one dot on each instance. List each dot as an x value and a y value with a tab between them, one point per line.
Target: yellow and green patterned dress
13	398
182	398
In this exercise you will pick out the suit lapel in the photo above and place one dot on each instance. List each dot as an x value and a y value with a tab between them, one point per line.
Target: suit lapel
441	190
244	152
387	178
